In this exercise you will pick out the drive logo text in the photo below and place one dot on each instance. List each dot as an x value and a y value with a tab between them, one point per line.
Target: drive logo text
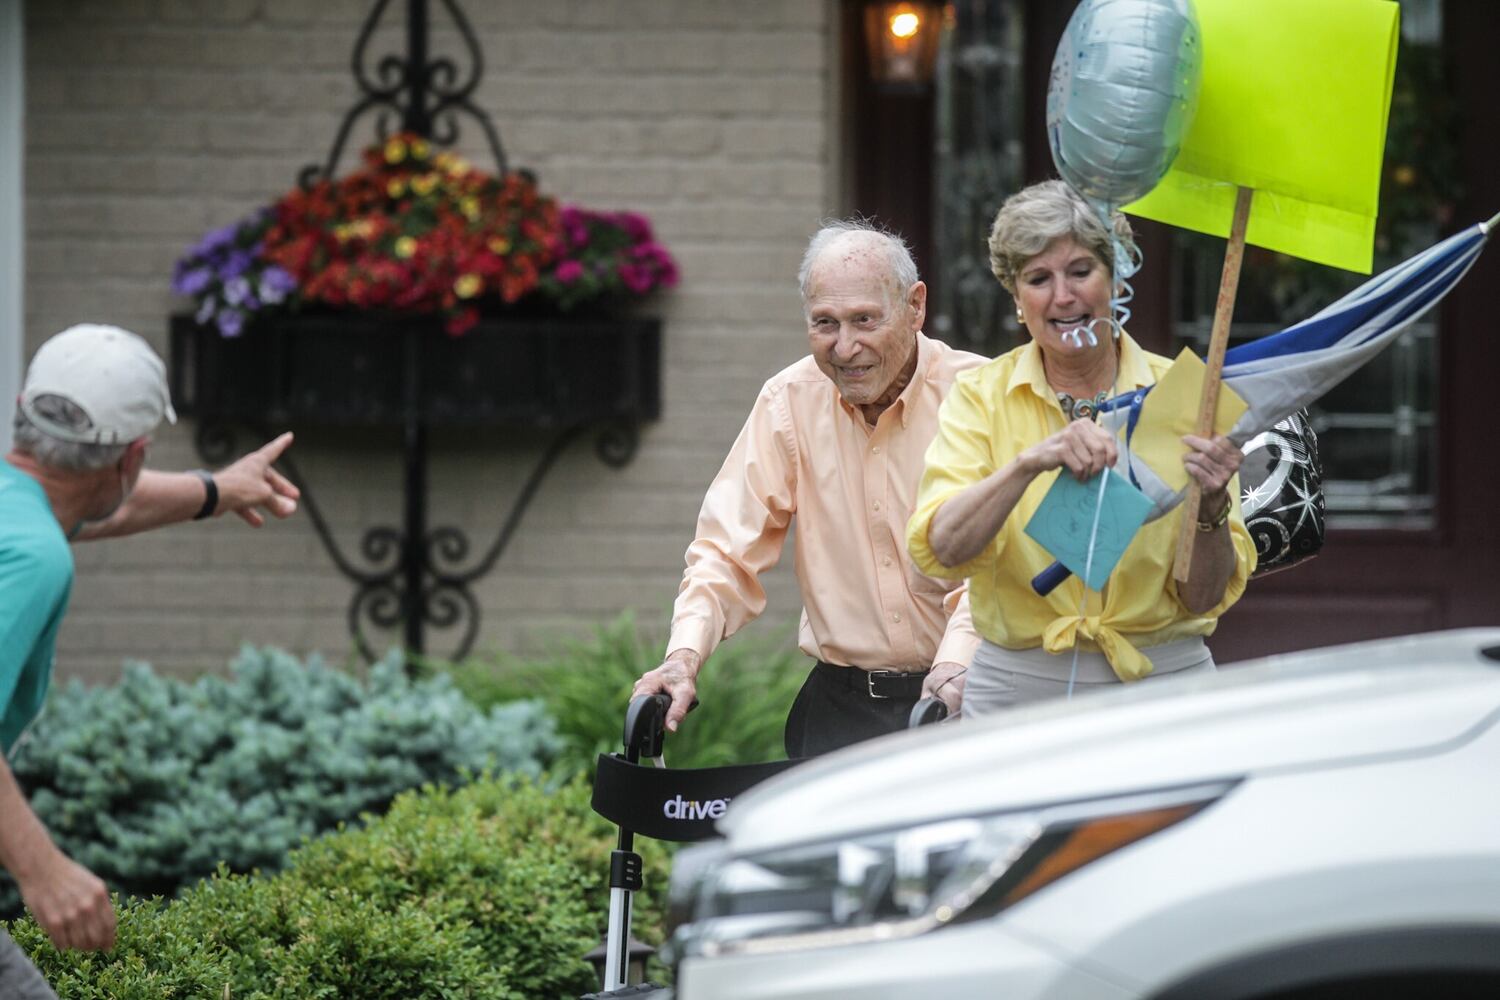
679	808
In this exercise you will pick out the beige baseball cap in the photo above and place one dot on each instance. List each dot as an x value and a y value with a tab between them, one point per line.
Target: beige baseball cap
110	374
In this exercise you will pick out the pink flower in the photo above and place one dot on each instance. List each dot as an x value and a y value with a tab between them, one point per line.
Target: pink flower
637	278
569	271
655	258
575	223
635	225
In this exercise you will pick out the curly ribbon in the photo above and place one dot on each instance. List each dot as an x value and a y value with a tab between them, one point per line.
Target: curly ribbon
1127	261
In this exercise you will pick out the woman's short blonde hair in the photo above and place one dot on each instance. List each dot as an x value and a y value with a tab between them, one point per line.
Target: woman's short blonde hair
1035	216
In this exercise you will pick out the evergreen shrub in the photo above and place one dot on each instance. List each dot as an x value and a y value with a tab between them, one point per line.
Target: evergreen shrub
495	890
153	783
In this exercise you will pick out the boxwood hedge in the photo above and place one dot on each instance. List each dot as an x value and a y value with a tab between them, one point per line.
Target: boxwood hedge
495	890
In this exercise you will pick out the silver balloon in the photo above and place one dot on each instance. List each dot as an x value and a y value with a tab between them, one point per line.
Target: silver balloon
1123	91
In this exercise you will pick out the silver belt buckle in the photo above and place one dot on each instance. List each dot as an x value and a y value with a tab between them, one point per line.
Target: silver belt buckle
870	683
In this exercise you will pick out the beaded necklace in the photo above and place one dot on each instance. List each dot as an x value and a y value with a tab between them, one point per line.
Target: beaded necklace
1081	409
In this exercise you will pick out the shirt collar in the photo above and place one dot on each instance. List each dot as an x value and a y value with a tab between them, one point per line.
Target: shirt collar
925	351
1134	373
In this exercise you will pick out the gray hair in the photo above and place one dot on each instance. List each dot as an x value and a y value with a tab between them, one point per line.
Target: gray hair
75	456
1033	217
903	269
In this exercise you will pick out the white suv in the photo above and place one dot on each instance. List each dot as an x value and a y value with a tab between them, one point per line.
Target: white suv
1319	825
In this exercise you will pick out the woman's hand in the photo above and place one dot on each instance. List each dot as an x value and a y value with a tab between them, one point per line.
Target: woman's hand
961	528
1212	462
1083	448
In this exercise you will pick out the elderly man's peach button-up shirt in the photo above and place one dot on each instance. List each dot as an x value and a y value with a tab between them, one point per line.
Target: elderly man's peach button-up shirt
804	451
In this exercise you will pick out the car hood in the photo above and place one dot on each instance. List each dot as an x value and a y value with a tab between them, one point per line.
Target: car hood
1394	696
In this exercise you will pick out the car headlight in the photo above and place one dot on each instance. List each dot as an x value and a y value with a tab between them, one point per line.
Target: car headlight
899	883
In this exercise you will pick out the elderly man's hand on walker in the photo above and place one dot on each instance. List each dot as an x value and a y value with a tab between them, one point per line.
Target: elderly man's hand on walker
676	677
945	682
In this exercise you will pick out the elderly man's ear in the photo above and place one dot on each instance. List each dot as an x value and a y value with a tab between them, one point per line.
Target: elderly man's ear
916	303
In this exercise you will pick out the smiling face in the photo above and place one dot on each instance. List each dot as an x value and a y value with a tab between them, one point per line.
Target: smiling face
1060	290
861	328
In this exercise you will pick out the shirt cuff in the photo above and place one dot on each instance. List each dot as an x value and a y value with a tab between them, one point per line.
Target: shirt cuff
697	634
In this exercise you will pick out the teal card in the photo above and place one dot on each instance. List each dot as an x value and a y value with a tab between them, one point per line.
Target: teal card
1065	523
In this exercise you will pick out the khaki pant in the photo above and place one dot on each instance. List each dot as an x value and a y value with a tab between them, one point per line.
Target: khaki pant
1001	679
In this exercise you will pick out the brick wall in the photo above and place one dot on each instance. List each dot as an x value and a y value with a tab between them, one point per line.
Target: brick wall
149	121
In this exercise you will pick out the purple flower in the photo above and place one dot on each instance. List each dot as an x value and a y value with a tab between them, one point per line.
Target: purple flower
237	291
231	322
275	284
236	264
192	282
569	271
216	239
205	310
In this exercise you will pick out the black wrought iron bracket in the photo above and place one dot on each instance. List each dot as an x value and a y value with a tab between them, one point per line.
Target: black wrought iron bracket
427	94
411	576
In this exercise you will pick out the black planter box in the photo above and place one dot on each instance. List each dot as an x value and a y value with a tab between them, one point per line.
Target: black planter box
358	370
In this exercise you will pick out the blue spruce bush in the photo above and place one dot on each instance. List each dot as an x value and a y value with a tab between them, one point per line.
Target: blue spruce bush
154	782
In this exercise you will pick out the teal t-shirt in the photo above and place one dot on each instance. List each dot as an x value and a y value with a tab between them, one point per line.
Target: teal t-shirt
36	576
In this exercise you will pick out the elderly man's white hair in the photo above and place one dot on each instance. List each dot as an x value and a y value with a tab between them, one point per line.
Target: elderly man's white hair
903	268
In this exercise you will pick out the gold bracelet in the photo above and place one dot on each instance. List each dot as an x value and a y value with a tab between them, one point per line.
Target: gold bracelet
1219	519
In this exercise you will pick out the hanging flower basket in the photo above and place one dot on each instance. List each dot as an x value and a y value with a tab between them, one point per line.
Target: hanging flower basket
420	284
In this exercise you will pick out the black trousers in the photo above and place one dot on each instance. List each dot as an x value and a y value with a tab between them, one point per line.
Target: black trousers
835	709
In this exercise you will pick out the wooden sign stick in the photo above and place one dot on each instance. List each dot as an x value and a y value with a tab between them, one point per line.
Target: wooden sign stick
1208	402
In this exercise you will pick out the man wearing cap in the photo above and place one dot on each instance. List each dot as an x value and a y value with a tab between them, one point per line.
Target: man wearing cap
92	396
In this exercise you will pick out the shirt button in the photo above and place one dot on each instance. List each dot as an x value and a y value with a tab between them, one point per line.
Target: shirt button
886	561
896	618
875	449
876	505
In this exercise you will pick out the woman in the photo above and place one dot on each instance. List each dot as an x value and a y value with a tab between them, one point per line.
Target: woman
1007	429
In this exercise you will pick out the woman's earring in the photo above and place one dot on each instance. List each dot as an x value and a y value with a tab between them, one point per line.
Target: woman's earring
1020	316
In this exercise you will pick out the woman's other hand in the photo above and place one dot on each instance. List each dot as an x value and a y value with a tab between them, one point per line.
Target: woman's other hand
1211	462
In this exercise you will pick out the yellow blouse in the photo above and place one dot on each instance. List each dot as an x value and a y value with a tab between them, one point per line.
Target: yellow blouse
990	416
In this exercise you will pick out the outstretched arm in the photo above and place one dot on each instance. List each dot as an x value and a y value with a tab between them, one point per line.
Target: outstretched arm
250	488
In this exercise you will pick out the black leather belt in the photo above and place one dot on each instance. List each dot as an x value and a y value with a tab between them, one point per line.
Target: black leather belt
878	683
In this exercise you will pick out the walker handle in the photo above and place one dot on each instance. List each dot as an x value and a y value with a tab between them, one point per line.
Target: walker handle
1047	580
926	712
645	721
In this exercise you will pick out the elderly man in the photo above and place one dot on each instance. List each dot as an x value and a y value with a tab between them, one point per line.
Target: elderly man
837	439
92	396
